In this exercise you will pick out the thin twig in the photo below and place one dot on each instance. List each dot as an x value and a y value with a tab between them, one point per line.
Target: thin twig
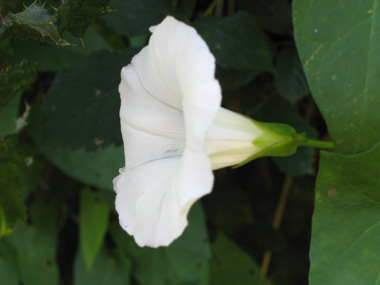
265	174
277	222
219	8
231	7
310	111
282	203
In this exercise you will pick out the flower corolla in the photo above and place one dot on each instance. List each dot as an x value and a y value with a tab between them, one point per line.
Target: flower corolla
175	133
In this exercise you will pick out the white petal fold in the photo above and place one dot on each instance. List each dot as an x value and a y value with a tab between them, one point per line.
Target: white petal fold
147	203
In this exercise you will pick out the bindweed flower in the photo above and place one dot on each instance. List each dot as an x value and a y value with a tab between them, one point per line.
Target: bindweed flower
176	133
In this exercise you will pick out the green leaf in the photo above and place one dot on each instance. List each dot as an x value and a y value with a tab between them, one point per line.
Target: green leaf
234	78
298	164
109	268
342	66
237	42
227	212
36	246
185	260
12	208
345	235
55	58
232	265
30	174
34	23
93	224
16	79
75	16
187	6
16	162
82	106
14	152
97	168
291	81
134	17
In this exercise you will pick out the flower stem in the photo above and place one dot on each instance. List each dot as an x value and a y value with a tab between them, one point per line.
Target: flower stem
319	144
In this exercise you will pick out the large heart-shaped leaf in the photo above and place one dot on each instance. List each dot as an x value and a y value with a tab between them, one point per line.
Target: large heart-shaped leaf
338	44
346	224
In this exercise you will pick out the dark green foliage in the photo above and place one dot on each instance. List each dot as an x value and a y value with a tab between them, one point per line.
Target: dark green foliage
300	163
16	79
234	78
231	263
272	15
9	273
134	17
184	261
16	162
9	125
46	23
96	168
82	106
12	208
109	268
237	42
187	6
291	80
13	6
75	16
10	150
56	58
36	246
33	23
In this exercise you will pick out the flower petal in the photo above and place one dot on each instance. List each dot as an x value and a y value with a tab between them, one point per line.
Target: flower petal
193	179
155	63
139	202
178	68
141	147
141	110
169	100
202	94
153	204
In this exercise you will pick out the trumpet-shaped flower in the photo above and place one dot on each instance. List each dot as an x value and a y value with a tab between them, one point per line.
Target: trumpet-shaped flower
175	134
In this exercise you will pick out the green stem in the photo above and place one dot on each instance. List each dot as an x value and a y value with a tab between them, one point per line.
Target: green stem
318	144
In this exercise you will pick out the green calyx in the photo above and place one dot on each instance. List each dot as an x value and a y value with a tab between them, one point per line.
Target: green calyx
281	140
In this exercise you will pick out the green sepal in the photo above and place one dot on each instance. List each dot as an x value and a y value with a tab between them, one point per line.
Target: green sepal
277	140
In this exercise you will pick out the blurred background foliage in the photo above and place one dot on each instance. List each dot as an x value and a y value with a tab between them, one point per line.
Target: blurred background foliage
60	146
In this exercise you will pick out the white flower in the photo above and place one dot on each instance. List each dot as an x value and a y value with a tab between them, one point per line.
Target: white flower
175	133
